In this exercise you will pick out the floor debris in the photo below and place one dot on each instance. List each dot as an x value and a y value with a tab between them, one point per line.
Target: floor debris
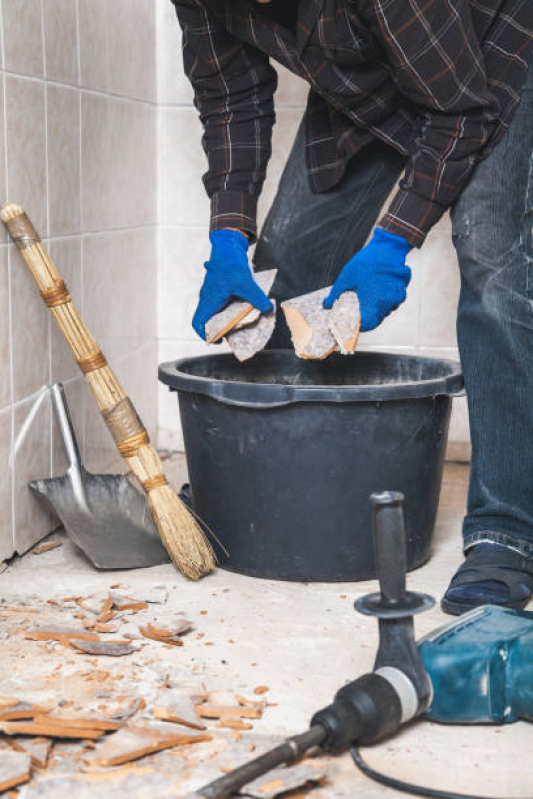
170	635
289	778
133	743
37	748
111	648
14	769
47	547
48	730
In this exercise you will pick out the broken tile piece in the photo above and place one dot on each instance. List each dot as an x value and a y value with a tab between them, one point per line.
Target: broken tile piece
59	634
308	323
137	783
112	648
133	743
47	547
345	321
47	730
106	725
247	341
37	748
14	769
178	708
287	778
22	710
156	594
238	313
171	635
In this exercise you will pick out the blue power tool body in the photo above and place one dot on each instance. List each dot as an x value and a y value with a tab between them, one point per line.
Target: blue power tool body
481	667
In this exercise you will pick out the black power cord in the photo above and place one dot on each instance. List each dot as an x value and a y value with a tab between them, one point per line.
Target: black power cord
407	787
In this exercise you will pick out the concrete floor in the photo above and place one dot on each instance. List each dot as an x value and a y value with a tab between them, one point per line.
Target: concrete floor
302	641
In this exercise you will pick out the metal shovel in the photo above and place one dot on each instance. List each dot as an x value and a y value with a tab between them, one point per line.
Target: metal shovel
103	514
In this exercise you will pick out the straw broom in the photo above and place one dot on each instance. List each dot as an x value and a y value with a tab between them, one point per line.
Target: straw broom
181	535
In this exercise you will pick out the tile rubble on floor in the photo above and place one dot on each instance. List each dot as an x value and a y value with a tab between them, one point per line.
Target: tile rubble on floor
105	734
254	653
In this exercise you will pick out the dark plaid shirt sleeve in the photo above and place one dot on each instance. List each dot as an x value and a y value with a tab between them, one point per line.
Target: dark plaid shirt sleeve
439	64
234	86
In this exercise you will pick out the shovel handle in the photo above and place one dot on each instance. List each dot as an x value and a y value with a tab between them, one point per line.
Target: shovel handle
67	428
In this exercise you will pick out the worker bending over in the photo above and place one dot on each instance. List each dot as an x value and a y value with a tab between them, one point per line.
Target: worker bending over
439	90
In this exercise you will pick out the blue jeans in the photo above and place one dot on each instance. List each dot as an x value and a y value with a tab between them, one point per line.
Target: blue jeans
309	237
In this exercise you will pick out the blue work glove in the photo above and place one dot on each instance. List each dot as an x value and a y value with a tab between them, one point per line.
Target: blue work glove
378	275
228	276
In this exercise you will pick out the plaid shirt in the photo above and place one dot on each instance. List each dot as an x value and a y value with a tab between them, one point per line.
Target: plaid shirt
438	80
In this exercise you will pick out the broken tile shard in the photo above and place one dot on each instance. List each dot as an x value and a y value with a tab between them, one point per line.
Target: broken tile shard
245	342
47	730
317	332
287	778
14	769
135	742
308	323
111	648
238	312
345	321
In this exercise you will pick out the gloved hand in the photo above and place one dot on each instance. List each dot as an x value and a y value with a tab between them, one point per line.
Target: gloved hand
378	275
228	276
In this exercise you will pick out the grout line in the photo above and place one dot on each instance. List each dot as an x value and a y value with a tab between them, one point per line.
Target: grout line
48	220
78	44
85	89
9	251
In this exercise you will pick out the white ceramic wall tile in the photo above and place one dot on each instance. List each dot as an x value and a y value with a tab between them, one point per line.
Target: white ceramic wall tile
94	56
173	86
76	396
101	455
61	40
3	188
401	327
33	519
5	365
23	36
26	147
181	255
118	163
119	289
170	435
30	326
135	169
66	254
64	184
138	374
440	289
181	163
131	45
292	90
6	522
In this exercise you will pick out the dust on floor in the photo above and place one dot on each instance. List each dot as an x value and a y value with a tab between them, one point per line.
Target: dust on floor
181	681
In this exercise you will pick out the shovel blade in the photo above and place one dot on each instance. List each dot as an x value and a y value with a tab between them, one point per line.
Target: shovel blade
113	527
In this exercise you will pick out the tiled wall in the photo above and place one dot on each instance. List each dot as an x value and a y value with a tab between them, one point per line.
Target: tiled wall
424	325
78	138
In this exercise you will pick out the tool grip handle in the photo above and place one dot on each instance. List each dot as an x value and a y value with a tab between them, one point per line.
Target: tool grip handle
389	544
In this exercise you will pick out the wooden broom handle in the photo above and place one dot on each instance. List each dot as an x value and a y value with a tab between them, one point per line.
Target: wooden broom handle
117	410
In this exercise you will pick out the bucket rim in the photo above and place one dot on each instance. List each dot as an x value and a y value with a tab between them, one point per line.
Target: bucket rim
268	395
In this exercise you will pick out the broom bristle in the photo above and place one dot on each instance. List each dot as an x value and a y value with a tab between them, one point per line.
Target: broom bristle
181	534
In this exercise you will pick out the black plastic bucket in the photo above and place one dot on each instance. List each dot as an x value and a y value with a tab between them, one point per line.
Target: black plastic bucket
283	455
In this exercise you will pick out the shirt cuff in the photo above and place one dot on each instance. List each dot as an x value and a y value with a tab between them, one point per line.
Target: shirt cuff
234	209
411	216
